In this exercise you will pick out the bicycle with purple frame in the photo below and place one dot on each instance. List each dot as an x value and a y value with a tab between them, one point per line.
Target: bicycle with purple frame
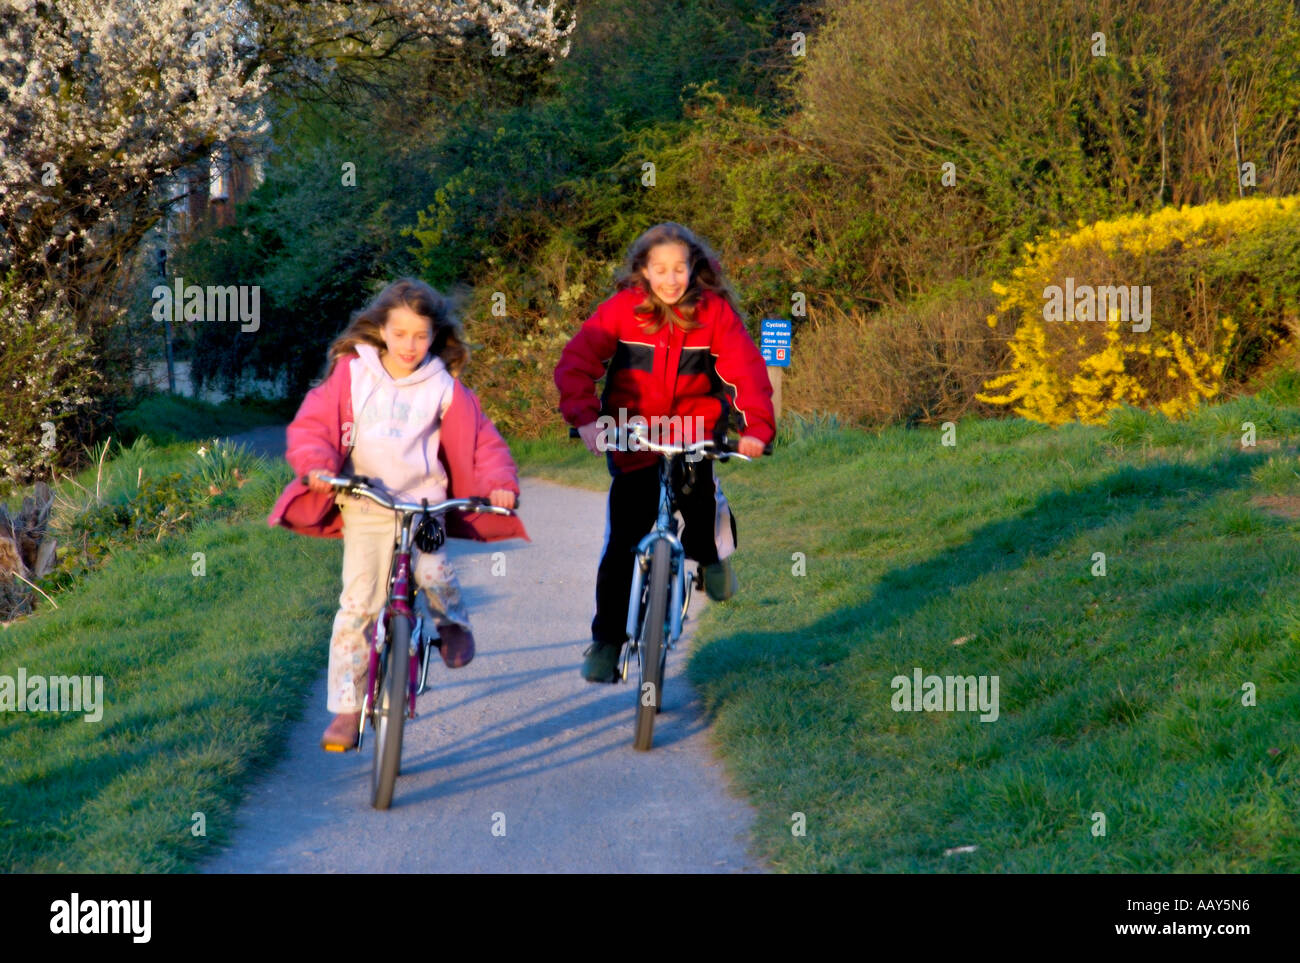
397	671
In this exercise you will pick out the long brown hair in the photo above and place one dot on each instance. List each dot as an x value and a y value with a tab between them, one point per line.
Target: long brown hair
706	275
366	325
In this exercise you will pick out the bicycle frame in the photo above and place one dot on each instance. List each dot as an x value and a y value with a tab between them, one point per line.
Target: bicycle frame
401	594
399	602
665	529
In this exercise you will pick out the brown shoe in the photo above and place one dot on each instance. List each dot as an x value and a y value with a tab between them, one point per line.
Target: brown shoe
456	645
342	732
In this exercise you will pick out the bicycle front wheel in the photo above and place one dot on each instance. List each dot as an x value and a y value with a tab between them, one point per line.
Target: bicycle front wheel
390	712
650	648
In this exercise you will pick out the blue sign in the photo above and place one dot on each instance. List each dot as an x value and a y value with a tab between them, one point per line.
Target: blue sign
775	343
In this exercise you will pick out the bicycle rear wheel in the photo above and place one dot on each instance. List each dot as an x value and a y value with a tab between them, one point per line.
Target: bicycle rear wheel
651	647
390	712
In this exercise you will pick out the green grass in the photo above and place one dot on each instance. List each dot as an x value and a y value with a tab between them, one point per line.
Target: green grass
197	698
1119	694
565	461
167	418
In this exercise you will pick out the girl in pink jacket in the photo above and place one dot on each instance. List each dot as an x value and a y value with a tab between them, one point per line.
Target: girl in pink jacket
392	408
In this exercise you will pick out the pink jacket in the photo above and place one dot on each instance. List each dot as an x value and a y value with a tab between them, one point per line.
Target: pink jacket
473	453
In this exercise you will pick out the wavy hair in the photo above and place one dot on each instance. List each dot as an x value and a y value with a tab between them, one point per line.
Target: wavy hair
366	325
705	275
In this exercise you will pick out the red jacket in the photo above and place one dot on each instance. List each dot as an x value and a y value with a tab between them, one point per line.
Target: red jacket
707	372
474	455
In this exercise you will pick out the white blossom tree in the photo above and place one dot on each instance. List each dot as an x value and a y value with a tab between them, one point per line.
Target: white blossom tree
101	101
104	102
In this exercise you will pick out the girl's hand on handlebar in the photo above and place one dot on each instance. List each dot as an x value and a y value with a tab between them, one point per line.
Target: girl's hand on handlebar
315	484
590	435
750	446
502	498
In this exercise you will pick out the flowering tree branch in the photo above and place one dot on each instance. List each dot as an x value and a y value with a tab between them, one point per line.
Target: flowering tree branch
99	103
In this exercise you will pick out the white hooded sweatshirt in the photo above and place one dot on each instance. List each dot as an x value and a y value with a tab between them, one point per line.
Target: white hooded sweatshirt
398	422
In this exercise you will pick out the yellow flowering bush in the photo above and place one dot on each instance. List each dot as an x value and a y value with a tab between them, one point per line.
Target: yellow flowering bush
1155	310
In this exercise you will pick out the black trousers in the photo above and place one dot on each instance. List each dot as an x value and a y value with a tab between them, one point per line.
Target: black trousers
633	508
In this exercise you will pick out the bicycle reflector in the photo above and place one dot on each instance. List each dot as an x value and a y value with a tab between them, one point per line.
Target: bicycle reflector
429	534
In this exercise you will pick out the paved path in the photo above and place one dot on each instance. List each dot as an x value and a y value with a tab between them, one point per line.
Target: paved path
268	440
515	742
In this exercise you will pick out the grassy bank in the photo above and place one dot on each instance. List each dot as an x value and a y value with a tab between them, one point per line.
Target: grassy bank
196	693
1120	694
167	418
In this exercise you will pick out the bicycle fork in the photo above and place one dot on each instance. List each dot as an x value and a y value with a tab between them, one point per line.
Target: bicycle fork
678	600
396	604
399	605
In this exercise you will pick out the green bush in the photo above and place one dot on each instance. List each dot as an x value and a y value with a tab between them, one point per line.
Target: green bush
1046	122
48	381
1255	277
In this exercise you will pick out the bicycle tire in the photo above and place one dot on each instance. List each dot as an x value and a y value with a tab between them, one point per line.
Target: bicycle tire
651	646
390	713
663	661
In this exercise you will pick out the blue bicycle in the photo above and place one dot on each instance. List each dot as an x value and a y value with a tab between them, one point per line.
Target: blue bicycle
661	590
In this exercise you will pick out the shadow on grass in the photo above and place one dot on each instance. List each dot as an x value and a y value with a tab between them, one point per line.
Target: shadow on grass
1057	518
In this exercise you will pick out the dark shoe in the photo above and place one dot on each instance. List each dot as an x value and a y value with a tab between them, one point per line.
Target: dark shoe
720	580
342	732
456	645
601	663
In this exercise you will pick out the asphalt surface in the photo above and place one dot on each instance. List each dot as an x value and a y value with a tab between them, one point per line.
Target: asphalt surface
514	763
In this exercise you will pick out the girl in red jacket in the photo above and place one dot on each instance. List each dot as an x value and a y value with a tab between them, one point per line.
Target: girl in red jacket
391	408
673	350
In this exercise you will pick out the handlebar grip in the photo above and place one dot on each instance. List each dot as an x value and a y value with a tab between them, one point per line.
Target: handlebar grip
351	480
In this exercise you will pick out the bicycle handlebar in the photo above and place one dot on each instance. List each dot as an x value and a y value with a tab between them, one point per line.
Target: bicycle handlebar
360	485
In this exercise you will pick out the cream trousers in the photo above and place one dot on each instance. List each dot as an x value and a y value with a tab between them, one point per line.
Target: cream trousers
369	534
